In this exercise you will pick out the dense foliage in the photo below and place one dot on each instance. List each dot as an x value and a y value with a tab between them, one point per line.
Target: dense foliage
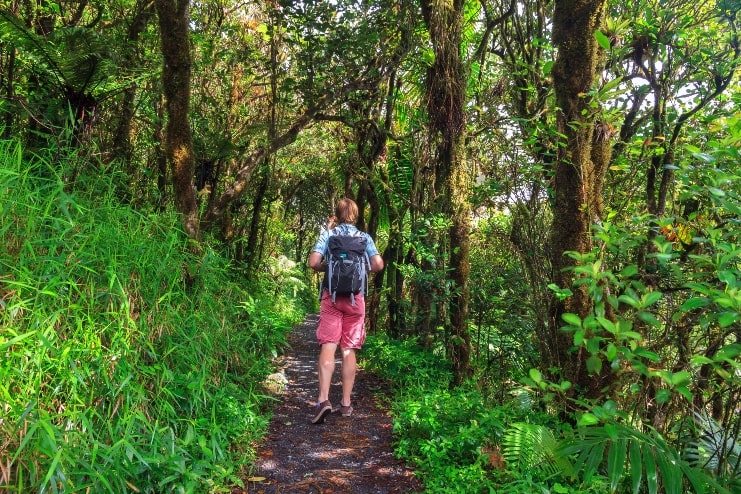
553	186
129	362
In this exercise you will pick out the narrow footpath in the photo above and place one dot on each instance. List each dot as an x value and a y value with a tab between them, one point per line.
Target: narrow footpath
350	455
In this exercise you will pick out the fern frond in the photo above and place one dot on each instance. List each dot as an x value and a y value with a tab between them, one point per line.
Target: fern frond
42	54
74	60
533	447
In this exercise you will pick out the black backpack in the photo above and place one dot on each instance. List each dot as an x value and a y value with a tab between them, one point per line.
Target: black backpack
347	265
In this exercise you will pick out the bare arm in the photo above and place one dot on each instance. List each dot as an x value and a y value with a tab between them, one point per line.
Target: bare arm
376	263
316	262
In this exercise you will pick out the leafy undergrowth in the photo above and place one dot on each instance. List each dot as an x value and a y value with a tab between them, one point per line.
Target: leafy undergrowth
458	442
129	362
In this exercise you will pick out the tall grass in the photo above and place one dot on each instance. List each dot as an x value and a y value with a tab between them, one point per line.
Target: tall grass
127	363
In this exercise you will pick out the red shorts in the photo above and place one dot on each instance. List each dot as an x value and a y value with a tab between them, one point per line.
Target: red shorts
341	322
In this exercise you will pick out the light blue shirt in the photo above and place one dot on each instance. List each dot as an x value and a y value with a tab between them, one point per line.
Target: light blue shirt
344	229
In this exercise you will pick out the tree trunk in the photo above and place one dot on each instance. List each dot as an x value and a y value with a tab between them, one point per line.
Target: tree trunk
393	257
176	70
445	100
160	157
122	136
8	74
258	208
577	181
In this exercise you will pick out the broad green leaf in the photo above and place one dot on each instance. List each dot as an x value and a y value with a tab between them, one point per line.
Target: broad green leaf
611	352
593	344
616	462
685	392
603	40
700	360
611	431
626	299
548	67
671	475
694	303
642	352
607	324
652	475
648	318
679	378
571	319
535	375
594	364
636	466
651	298
587	419
699	287
663	395
632	335
716	191
729	277
728	352
629	271
727	318
579	337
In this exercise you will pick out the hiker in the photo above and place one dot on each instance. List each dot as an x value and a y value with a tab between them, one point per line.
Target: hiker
342	309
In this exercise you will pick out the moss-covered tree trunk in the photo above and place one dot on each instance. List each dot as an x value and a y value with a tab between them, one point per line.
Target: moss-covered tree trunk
176	70
445	99
127	108
577	180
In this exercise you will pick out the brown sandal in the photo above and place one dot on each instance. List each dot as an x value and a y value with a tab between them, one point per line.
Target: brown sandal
322	410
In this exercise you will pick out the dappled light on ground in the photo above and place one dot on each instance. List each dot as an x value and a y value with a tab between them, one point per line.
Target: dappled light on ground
343	455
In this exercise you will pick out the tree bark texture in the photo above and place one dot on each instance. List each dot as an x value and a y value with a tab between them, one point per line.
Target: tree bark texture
122	135
445	99
173	18
578	178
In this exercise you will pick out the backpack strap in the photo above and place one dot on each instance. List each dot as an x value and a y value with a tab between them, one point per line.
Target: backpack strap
330	263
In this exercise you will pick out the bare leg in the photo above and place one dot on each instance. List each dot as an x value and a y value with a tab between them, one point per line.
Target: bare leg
349	367
326	369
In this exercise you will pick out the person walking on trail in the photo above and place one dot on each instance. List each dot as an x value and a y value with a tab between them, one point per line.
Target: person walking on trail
342	306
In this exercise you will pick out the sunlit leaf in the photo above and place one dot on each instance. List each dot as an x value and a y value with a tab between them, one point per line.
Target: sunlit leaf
587	419
571	319
535	375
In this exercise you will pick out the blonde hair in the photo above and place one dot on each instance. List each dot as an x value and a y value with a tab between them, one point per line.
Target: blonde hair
346	211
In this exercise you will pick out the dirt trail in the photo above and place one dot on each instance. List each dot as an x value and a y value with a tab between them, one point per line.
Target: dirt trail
343	455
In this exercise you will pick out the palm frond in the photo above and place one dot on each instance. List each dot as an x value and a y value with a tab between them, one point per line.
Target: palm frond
717	448
652	464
